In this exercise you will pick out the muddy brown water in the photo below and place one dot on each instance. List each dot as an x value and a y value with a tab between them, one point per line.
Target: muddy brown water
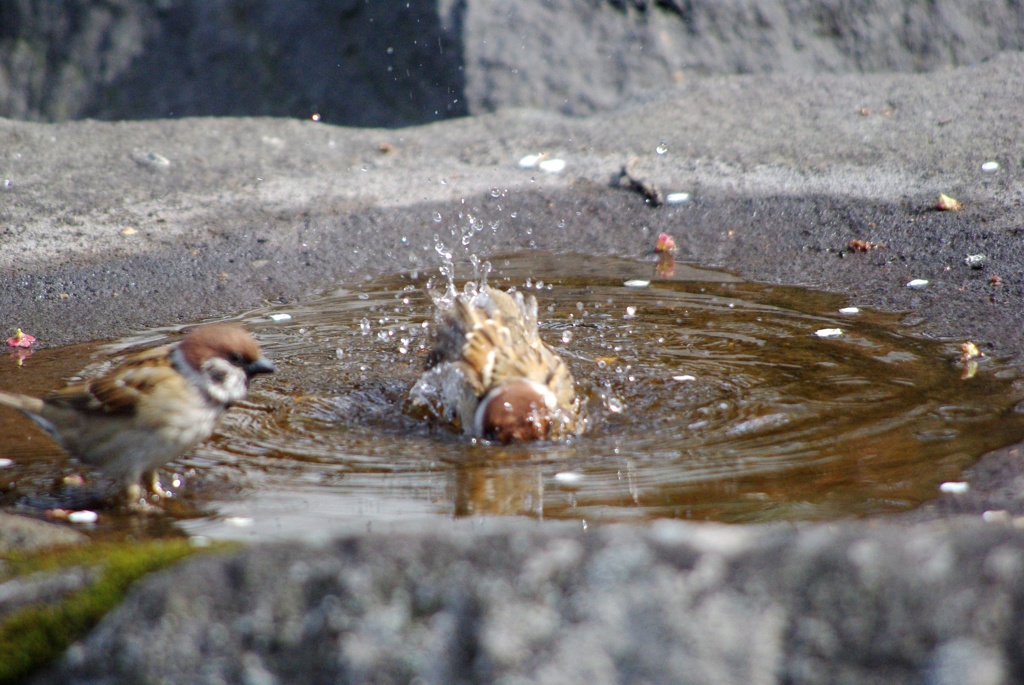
709	398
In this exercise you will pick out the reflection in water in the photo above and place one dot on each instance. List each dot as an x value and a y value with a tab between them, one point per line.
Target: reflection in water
710	398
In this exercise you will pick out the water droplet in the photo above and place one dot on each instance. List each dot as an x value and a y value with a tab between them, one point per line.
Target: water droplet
614	404
495	192
566	337
569	479
661	149
437	217
364	326
238	521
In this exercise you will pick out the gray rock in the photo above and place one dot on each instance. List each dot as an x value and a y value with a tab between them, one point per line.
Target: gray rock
398	63
669	602
26	534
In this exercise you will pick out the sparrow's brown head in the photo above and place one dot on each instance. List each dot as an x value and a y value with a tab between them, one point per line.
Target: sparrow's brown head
225	341
516	411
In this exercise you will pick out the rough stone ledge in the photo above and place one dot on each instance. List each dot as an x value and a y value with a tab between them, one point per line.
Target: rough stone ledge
512	602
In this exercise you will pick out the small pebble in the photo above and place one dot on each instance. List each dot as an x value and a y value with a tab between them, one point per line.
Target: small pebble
849	310
828	332
630	313
996	516
677	198
684	377
917	283
84	516
636	283
975	261
151	160
954	487
530	161
6	463
551	166
990	167
279	317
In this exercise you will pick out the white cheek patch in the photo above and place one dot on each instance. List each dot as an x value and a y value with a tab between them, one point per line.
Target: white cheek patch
223	382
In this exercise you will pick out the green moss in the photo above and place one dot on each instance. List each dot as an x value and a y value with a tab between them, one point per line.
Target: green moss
34	636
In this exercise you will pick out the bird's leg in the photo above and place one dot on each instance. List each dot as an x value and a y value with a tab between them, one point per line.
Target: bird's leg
152	480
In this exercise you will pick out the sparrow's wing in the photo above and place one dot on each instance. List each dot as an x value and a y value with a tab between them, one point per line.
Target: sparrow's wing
512	309
486	352
122	390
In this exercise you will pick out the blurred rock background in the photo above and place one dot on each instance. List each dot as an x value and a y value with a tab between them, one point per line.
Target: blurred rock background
397	63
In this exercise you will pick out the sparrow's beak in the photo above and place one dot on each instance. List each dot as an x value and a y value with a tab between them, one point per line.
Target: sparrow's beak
258	366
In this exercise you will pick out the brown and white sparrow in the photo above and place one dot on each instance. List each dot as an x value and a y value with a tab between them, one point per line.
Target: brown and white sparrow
152	408
491	376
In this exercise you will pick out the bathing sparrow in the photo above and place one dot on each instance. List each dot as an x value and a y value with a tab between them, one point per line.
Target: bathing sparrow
154	407
491	376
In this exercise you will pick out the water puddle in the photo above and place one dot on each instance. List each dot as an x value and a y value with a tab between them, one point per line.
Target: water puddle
710	399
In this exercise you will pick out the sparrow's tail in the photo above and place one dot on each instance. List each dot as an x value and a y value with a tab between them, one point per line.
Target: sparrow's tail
29	405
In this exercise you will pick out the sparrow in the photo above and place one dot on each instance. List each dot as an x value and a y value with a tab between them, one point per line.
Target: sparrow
489	375
152	408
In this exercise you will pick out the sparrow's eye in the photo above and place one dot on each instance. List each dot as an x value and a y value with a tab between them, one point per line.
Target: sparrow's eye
236	359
